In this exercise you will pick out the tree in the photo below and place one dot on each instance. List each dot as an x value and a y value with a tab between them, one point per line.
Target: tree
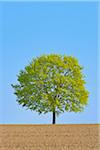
52	83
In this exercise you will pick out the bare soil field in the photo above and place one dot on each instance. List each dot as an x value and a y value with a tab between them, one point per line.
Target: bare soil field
50	137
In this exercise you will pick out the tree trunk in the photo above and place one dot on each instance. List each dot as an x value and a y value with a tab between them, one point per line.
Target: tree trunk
54	118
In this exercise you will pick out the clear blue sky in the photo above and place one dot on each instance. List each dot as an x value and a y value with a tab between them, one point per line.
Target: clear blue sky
30	29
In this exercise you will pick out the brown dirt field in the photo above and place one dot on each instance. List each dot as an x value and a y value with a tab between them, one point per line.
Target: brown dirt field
50	137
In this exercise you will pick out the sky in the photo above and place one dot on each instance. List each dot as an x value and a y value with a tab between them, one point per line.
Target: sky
30	29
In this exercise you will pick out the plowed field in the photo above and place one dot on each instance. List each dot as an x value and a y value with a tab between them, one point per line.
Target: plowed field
50	137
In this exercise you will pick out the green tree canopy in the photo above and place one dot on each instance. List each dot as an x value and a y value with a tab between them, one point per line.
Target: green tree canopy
52	83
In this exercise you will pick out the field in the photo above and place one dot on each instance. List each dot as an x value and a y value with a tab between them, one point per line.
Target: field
50	137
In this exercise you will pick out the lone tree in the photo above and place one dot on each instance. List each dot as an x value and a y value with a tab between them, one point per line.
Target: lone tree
52	83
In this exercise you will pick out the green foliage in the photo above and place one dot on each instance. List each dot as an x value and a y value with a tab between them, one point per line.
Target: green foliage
52	83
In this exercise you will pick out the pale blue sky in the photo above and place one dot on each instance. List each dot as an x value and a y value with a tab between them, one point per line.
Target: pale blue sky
30	29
